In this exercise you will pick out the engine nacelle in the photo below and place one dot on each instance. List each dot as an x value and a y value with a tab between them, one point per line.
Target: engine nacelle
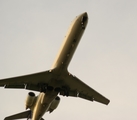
30	100
54	104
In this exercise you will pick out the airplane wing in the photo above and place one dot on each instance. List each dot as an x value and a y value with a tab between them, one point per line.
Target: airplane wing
30	82
77	88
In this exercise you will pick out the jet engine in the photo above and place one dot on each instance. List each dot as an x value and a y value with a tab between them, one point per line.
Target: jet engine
54	104
30	100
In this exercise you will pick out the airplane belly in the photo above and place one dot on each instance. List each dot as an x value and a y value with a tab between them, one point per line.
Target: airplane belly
70	43
38	110
37	115
41	111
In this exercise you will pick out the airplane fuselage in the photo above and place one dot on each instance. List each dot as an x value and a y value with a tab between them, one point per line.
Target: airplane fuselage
61	63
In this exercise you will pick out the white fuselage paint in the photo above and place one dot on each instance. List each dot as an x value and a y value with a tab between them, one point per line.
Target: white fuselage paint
61	63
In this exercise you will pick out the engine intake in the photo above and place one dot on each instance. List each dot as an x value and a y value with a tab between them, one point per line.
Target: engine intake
54	104
30	100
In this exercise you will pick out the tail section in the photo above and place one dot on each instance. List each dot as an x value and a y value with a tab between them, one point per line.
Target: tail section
26	114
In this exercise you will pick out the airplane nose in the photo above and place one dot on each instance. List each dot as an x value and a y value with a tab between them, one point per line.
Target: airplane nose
85	14
84	18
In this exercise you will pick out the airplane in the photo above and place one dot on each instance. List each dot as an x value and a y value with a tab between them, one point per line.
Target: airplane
56	81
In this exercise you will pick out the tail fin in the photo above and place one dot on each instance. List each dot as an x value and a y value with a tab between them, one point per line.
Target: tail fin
26	114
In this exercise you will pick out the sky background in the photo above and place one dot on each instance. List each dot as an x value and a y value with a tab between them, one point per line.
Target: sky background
31	33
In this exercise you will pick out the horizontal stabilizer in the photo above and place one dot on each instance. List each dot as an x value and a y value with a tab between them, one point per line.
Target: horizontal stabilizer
26	114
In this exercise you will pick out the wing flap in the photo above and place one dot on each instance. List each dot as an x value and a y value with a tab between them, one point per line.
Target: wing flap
85	97
21	86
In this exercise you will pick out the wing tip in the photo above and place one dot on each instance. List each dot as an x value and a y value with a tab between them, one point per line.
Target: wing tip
108	101
103	101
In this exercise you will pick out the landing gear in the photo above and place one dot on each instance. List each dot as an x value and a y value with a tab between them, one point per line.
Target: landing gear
64	91
42	87
61	90
45	87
